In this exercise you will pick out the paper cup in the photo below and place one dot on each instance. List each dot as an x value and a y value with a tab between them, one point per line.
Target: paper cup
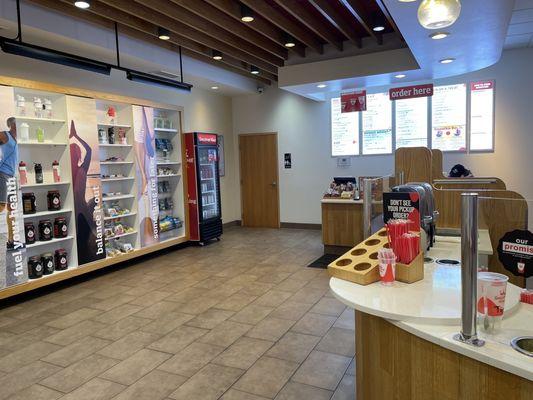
387	272
491	291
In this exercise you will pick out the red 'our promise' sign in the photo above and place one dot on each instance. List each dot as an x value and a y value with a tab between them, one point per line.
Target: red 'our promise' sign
353	101
408	92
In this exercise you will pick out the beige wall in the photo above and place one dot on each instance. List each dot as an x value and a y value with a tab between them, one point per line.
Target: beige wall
204	111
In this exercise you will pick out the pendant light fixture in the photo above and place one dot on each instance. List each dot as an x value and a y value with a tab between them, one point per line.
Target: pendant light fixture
83	4
289	41
163	34
247	15
435	14
217	55
254	70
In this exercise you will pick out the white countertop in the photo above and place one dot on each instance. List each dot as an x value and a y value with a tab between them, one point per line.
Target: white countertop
337	200
431	309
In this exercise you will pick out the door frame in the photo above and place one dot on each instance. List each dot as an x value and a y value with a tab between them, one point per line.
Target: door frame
275	134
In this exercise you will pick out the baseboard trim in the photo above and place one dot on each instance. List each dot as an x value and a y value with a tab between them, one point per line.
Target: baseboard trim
297	225
232	223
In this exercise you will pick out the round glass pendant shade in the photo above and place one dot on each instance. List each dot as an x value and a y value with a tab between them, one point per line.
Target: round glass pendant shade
435	14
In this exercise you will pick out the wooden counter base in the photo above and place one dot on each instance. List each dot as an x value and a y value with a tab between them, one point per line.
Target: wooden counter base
394	364
342	224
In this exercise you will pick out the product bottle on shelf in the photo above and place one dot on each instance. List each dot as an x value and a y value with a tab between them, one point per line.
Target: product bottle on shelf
38	173
37	107
24	135
23	173
21	105
56	171
40	135
47	108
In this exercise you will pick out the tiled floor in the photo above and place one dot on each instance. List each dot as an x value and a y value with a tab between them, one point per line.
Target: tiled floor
241	319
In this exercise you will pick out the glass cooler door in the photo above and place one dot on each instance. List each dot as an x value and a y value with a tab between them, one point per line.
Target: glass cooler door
209	201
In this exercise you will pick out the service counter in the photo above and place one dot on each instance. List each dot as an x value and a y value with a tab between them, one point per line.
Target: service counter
404	339
342	224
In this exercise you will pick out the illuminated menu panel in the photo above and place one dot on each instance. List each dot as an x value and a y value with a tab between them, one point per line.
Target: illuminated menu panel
482	115
377	124
412	122
344	131
448	128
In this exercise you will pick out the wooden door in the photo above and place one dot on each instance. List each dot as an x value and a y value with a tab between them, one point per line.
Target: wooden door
258	154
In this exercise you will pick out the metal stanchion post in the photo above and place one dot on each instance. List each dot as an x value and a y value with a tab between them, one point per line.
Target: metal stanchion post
367	208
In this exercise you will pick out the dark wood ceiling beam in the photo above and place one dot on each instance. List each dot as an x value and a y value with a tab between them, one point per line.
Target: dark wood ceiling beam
344	25
301	33
389	18
139	29
311	21
363	17
176	27
182	15
223	20
233	9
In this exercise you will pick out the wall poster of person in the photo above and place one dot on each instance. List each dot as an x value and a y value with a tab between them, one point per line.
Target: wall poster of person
13	258
146	171
86	181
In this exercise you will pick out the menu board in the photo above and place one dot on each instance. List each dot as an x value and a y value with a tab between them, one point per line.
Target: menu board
344	131
377	124
448	130
481	115
412	122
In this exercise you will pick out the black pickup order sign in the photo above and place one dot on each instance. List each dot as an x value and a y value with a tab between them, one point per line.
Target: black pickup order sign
402	205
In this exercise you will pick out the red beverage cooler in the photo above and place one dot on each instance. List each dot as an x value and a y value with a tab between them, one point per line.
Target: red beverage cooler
203	186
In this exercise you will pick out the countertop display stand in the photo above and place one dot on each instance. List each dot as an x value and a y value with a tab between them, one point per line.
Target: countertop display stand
113	165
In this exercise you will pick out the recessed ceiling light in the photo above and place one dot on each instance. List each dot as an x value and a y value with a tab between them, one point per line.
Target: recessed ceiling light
447	60
254	70
378	28
321	85
163	34
214	87
247	15
439	35
217	55
400	76
82	4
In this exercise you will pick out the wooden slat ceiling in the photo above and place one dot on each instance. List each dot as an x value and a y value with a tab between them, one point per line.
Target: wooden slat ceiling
203	26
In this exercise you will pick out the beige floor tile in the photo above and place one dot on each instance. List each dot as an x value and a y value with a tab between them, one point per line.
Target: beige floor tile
95	389
36	392
187	295
328	306
78	331
152	297
135	367
233	394
25	377
324	370
26	355
191	359
117	313
225	334
252	314
291	285
346	320
208	384
78	373
73	318
20	326
291	310
122	328
155	385
338	341
256	288
314	324
299	391
308	295
236	302
346	389
243	353
157	310
167	323
76	351
128	345
294	347
266	377
198	306
178	339
273	298
305	274
270	329
112	302
210	318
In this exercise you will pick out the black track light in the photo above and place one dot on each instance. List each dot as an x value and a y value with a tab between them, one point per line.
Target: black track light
247	15
289	41
141	77
254	70
217	55
163	34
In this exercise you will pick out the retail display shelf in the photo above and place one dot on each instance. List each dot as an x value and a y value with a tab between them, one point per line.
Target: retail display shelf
207	165
207	179
121	178
159	162
120	216
46	184
54	240
46	213
114	145
114	125
116	162
121	235
210	204
168	130
42	144
118	197
168	175
208	191
37	119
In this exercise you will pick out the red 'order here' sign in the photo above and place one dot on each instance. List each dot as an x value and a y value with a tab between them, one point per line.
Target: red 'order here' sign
409	92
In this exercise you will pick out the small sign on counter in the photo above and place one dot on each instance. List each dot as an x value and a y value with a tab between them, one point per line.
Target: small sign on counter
515	252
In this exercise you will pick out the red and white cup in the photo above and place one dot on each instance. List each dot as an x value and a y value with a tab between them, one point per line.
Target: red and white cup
491	290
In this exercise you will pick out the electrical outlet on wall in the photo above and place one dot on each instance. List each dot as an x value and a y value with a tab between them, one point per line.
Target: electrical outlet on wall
343	162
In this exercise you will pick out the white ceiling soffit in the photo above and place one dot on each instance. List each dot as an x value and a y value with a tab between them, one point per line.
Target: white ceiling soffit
476	41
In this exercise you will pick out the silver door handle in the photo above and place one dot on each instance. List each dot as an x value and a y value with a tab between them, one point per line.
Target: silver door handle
274	183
